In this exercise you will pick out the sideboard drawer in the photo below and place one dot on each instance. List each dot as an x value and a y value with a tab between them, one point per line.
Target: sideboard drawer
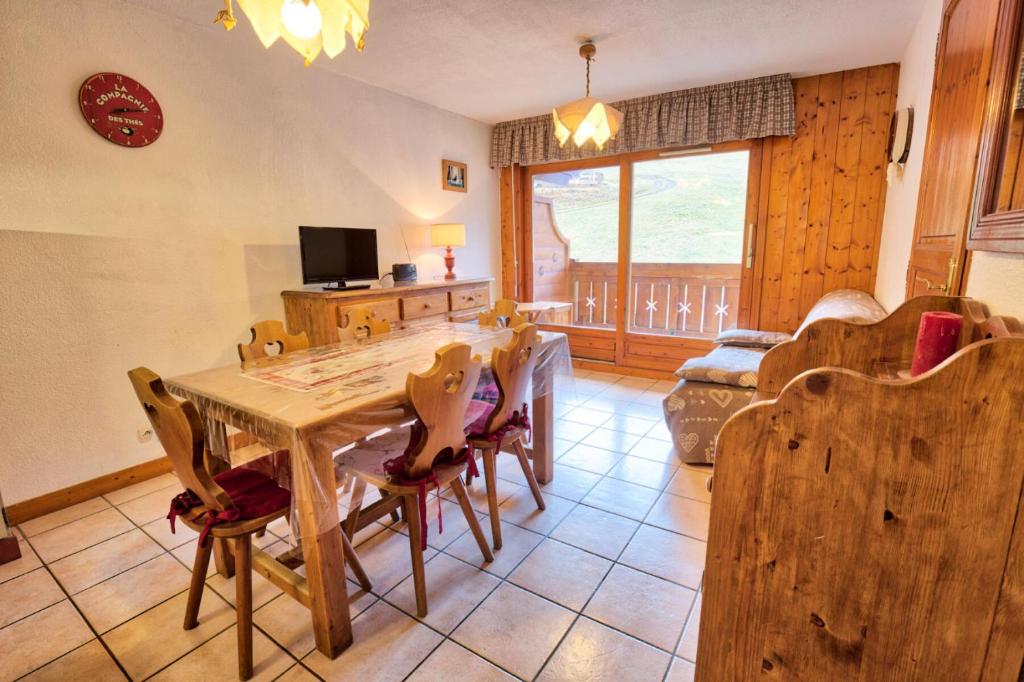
415	307
475	297
386	309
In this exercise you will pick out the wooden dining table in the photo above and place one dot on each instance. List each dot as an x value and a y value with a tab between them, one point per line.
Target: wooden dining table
316	401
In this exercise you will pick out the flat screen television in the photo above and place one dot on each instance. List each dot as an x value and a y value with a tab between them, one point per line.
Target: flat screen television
337	255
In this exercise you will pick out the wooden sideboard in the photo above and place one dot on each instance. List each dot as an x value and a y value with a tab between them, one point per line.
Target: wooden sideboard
316	312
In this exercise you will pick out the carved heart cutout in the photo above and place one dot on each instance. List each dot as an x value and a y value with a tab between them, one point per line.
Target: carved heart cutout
723	397
688	441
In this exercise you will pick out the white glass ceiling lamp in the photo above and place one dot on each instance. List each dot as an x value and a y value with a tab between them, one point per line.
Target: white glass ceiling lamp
586	119
309	26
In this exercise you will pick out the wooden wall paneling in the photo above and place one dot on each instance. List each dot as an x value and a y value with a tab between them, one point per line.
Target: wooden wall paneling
760	234
507	203
844	189
806	92
879	101
775	231
819	212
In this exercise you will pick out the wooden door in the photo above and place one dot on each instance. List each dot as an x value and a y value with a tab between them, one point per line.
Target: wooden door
962	61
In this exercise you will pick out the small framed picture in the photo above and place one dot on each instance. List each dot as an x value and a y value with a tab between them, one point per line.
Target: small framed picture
453	176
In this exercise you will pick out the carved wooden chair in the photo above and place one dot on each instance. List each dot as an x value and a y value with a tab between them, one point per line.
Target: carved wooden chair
508	422
504	314
270	333
410	462
359	322
231	506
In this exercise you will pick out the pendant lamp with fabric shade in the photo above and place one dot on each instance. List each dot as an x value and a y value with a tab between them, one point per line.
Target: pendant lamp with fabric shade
588	118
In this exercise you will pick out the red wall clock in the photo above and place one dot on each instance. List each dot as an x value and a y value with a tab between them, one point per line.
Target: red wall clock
121	109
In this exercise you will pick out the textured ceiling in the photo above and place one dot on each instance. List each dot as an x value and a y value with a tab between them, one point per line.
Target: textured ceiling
494	60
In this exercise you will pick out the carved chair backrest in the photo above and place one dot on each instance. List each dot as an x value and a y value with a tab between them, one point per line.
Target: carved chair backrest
440	397
180	429
512	366
268	333
359	321
504	314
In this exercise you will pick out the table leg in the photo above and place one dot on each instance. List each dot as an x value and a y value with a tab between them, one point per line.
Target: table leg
216	460
322	549
544	436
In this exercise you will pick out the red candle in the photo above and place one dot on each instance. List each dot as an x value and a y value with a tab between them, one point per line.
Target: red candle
937	339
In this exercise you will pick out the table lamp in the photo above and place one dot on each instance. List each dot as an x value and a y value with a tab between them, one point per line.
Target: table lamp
448	235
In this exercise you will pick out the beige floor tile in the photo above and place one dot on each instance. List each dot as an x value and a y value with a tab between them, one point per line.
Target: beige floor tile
151	506
606	403
660	432
655	450
562	573
642	383
641	605
516	543
681	671
128	594
59	518
262	589
77	535
27	562
643	472
667	555
596	531
649	412
688	643
288	622
514	629
504	489
571	483
88	662
297	673
453	662
621	659
40	638
682	515
454	523
588	416
454	588
387	560
217	660
692	483
160	530
622	497
573	431
186	554
521	509
387	645
97	563
589	458
27	594
142	488
561	445
650	398
664	386
606	439
134	642
636	426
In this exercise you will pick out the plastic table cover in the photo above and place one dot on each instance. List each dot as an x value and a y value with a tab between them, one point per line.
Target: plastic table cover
317	402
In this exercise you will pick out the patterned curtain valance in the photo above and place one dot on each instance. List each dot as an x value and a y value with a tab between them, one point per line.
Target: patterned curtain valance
757	107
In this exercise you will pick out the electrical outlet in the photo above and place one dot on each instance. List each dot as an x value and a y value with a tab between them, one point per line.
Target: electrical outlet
144	434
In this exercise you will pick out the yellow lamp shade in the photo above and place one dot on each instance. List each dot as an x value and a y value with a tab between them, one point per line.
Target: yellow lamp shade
448	234
586	119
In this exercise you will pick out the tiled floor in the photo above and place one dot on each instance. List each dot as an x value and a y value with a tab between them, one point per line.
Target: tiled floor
603	585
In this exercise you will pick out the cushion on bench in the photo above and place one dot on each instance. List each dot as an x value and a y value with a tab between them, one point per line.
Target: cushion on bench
726	365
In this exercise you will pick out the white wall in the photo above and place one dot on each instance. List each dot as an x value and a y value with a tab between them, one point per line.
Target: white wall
113	257
917	68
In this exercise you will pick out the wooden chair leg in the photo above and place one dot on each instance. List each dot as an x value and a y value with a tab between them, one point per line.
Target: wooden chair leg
243	604
222	557
491	480
524	462
474	523
395	517
195	589
357	566
412	519
354	506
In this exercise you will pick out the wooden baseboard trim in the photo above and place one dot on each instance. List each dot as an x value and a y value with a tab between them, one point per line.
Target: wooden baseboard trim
86	490
618	369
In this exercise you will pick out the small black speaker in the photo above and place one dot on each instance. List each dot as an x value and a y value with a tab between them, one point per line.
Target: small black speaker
403	272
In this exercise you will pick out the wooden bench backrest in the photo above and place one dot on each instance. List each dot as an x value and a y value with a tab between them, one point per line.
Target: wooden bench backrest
864	529
513	366
270	332
835	343
179	428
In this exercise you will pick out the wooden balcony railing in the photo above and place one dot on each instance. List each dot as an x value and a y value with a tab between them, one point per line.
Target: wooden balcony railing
676	299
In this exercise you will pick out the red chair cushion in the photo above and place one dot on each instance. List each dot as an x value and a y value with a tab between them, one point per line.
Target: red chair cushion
253	493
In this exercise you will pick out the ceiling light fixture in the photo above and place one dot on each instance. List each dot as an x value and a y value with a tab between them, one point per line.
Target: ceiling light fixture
309	26
586	119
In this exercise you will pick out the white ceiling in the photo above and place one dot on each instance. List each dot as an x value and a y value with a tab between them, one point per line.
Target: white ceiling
495	60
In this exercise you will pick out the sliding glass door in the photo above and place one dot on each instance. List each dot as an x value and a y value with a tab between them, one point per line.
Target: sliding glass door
670	235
